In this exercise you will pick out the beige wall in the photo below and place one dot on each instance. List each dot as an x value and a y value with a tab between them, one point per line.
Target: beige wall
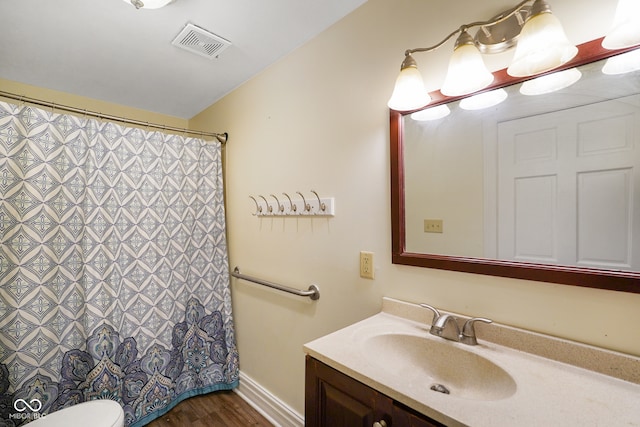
444	179
318	120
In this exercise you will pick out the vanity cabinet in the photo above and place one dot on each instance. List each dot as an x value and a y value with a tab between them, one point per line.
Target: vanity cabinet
333	399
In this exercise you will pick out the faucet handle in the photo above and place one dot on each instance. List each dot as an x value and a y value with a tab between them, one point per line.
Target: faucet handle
468	334
436	313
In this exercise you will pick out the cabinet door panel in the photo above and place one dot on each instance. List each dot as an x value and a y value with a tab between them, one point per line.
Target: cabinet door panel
333	399
342	410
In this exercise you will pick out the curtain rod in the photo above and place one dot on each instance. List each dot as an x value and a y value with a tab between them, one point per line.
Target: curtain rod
221	137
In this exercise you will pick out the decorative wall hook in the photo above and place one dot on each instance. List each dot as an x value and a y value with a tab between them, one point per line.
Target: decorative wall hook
258	207
280	207
292	208
269	207
307	207
322	206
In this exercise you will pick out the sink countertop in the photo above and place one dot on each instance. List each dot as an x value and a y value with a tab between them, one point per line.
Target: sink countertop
548	392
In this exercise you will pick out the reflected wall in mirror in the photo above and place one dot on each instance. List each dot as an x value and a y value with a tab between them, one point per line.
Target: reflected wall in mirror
543	187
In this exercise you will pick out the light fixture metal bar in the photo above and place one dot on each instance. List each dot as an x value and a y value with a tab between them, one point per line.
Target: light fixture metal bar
493	21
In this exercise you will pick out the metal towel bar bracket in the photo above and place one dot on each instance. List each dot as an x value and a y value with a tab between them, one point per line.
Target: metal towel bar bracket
313	292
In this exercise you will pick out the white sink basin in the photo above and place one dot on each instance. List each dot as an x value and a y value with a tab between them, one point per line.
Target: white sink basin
432	363
490	385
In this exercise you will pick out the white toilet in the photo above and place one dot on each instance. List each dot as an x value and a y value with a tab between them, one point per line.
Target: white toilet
95	413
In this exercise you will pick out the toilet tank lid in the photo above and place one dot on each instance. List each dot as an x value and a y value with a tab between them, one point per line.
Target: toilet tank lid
96	413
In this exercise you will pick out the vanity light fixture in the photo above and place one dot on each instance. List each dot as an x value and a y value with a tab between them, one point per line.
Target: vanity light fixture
149	4
409	93
626	26
541	46
467	72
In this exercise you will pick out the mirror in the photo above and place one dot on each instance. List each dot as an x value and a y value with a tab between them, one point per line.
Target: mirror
543	187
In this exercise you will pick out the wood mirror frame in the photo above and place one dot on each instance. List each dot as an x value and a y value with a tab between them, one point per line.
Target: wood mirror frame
625	281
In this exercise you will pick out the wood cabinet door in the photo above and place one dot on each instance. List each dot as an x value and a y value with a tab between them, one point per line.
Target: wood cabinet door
403	416
333	399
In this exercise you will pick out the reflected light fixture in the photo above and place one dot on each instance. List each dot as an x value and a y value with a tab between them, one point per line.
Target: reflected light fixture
550	82
149	4
626	26
433	113
623	63
484	100
545	47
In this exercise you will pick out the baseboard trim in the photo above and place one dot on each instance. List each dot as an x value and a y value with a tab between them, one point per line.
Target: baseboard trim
273	409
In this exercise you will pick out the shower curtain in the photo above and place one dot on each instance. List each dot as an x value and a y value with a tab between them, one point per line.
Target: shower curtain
114	280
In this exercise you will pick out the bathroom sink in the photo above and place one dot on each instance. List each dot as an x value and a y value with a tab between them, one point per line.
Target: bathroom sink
490	384
438	366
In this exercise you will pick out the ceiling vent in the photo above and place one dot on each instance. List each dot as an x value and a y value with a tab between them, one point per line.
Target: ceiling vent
201	42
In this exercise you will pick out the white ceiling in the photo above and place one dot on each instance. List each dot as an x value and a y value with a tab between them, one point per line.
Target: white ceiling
108	50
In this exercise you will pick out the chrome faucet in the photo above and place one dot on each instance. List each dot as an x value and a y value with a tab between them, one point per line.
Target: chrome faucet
468	334
446	326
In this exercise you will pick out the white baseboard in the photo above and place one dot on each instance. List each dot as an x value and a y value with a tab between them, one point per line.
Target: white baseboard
272	408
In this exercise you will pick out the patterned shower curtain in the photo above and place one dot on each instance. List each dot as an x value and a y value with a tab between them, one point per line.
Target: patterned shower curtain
114	280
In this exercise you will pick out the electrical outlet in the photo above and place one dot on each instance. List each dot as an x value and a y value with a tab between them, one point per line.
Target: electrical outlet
366	265
433	226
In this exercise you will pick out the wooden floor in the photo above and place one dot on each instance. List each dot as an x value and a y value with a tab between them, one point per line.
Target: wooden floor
222	408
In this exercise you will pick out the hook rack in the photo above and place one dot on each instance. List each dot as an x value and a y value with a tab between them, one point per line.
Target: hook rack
313	205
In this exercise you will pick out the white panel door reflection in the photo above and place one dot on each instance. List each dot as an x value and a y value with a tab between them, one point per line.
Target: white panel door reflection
569	186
